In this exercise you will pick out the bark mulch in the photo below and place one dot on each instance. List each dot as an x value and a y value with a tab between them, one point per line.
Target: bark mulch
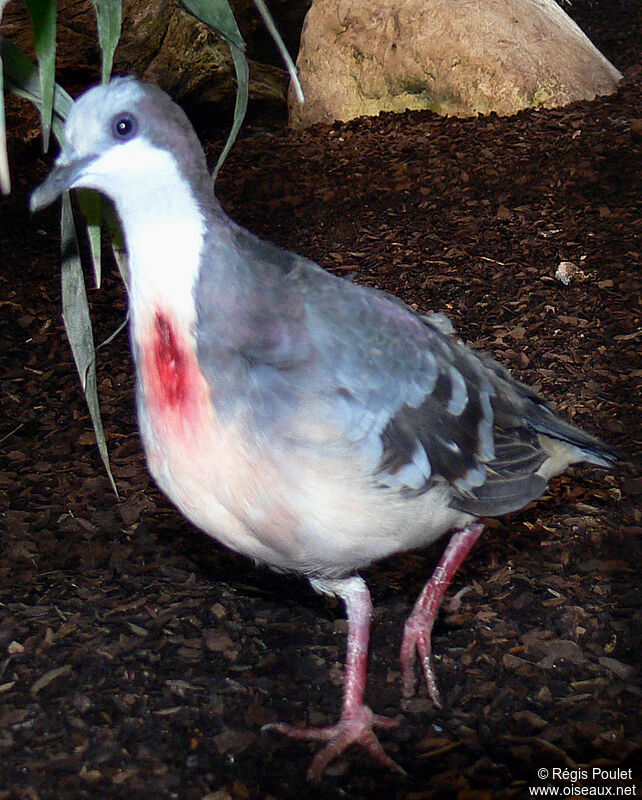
139	659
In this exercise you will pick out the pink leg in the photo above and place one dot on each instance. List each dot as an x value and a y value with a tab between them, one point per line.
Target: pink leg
356	723
418	628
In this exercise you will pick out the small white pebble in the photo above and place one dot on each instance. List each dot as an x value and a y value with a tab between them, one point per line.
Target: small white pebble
568	271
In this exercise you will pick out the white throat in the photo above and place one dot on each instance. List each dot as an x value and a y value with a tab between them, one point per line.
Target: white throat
163	225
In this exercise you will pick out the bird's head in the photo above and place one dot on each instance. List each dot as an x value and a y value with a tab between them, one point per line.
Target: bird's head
129	141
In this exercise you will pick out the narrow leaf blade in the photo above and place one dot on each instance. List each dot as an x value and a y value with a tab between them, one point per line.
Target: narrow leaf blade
75	313
280	45
91	205
5	177
117	241
22	79
240	107
217	14
109	17
42	14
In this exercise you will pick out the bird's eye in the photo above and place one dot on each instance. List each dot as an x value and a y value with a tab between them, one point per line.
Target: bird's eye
124	127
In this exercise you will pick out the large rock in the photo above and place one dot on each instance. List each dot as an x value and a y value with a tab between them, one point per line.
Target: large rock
462	57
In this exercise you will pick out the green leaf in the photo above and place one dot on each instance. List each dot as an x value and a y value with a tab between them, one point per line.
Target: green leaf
117	240
278	41
218	15
42	14
21	77
5	177
240	107
109	16
75	314
91	205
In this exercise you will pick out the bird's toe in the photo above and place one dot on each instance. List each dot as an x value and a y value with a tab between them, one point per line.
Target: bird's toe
417	642
355	727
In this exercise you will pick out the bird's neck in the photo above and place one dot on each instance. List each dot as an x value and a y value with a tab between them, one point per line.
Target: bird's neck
164	249
164	240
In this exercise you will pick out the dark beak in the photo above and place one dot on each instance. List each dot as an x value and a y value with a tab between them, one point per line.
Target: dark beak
61	178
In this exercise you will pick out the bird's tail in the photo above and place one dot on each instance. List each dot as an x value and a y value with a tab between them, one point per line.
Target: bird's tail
587	447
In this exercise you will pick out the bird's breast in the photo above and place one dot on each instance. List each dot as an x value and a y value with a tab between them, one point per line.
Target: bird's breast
176	416
175	389
211	467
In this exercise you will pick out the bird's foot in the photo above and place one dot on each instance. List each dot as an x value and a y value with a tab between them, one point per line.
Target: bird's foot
417	642
355	727
418	629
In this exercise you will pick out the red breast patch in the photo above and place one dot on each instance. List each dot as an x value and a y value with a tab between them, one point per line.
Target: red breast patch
173	382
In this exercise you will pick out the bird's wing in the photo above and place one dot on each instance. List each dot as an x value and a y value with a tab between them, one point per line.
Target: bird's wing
416	404
433	407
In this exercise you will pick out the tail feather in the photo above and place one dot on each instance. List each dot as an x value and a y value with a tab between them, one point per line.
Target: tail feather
589	448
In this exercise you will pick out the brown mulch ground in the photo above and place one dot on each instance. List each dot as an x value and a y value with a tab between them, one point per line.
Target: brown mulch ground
138	659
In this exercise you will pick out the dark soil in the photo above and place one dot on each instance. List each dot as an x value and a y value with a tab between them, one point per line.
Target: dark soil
139	659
